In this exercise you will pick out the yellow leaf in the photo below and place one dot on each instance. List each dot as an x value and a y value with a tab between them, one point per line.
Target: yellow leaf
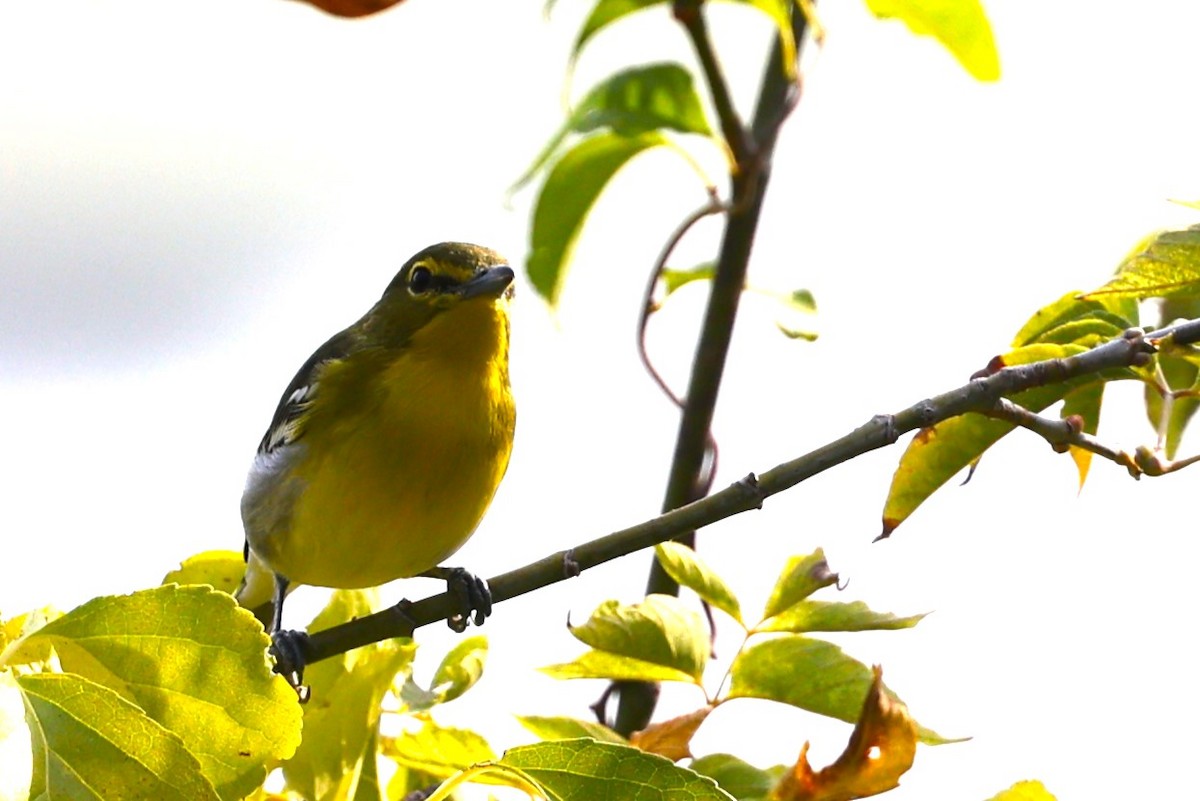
1024	791
221	570
880	750
1163	265
960	25
671	738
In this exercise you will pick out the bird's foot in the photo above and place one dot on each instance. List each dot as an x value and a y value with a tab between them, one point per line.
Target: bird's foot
474	597
289	649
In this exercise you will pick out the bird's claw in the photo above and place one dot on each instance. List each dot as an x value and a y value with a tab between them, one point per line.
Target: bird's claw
474	597
289	647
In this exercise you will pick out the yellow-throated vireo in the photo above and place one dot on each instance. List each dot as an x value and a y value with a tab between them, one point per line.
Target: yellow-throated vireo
388	445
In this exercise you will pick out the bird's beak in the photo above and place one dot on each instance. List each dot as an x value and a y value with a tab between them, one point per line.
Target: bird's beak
489	281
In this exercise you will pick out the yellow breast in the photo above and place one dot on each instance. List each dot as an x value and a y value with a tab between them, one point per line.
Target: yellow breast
400	480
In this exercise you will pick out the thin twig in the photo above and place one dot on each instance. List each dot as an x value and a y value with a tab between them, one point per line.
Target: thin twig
1061	433
690	14
713	206
708	471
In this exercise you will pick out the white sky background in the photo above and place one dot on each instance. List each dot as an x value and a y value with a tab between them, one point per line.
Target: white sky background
193	196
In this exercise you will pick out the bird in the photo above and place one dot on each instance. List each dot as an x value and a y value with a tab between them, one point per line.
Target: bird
386	448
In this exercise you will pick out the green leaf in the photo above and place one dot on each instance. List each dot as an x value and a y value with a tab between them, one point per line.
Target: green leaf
1171	310
195	663
813	615
807	673
660	630
1024	791
1044	325
493	773
438	751
633	102
643	98
803	300
799	303
563	728
936	454
961	26
368	787
461	668
800	578
689	570
674	279
1180	374
89	742
606	12
457	673
780	13
740	779
221	570
603	665
1070	320
571	769
1166	266
341	718
1087	333
567	196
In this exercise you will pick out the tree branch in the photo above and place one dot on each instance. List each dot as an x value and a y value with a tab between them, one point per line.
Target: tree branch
693	465
690	14
749	186
978	395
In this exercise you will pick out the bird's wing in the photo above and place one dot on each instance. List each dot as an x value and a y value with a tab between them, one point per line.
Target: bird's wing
287	424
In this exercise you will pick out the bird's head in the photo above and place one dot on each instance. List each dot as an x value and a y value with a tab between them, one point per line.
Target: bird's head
438	280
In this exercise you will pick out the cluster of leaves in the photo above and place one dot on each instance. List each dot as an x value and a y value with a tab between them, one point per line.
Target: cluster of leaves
1166	266
651	105
662	639
162	694
166	693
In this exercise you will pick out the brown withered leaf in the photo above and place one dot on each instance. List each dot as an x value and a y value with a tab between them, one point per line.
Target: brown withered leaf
880	750
671	738
352	8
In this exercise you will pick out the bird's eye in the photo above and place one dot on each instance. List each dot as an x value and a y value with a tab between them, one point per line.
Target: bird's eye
420	280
